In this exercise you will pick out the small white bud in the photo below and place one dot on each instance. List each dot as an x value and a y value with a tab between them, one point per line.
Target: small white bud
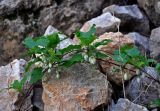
50	65
92	60
125	76
85	57
138	79
49	70
41	47
39	64
57	75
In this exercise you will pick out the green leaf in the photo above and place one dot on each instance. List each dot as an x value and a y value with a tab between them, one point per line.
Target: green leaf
41	41
29	43
133	52
101	55
30	63
158	67
87	38
103	42
18	85
121	58
76	58
156	102
36	75
69	49
53	40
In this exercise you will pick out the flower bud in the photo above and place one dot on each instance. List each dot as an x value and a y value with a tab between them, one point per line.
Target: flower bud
57	75
85	57
92	60
125	76
39	64
49	70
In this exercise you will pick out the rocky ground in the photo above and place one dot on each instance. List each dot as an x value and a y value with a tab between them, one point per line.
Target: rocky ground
83	87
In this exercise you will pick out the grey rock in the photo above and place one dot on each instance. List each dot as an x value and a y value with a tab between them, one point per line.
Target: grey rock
12	33
152	9
9	98
104	23
143	90
155	43
80	88
63	44
69	15
142	42
37	99
131	17
126	105
8	7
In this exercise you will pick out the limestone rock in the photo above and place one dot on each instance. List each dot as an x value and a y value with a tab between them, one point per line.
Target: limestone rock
109	65
8	7
143	90
142	42
151	7
131	17
63	44
104	23
155	43
11	35
126	105
80	88
68	15
8	74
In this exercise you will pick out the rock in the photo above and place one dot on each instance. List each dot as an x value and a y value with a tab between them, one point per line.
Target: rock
63	44
9	98
11	35
142	42
37	99
68	15
132	19
143	90
109	65
8	7
151	7
155	43
50	30
126	105
104	23
80	88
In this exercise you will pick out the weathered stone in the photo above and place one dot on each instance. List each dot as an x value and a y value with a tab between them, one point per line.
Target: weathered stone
63	44
151	7
143	90
104	23
126	105
155	43
132	19
11	35
8	74
69	15
37	99
8	7
142	42
109	65
80	88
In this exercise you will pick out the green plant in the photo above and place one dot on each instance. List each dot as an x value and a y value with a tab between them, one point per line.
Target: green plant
45	55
